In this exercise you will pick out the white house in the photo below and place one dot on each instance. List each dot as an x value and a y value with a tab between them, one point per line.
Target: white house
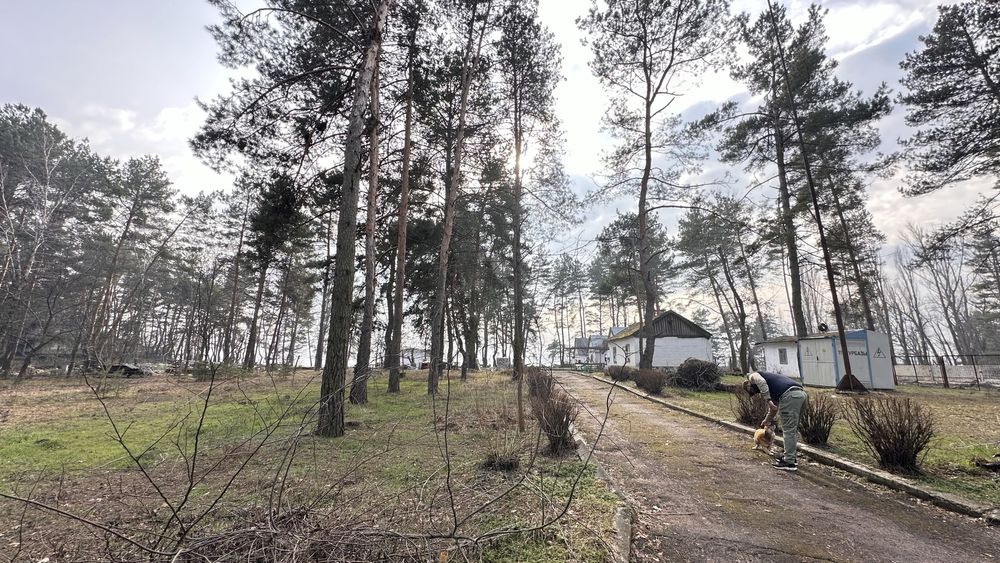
590	350
677	339
817	359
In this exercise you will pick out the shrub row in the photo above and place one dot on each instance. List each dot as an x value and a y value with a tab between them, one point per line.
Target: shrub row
620	373
895	430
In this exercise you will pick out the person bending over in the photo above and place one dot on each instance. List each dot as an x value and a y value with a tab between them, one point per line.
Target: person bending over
784	395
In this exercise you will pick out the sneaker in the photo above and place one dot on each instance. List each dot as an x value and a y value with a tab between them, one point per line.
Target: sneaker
784	465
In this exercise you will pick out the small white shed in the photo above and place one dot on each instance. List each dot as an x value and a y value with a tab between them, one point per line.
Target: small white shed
677	339
819	361
781	355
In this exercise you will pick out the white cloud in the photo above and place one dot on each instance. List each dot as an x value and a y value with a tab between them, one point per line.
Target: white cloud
892	211
174	124
123	133
856	27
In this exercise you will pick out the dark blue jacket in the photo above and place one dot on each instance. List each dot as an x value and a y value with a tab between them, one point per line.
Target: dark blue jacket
777	384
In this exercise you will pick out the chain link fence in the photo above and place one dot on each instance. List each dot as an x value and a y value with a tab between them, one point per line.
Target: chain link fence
968	370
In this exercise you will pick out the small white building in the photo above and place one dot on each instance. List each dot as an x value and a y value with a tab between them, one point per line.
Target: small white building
817	359
677	339
781	355
590	349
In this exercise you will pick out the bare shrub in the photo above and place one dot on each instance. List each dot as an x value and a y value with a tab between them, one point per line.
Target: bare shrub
555	413
107	386
698	374
651	381
540	383
896	430
620	373
817	418
504	453
748	410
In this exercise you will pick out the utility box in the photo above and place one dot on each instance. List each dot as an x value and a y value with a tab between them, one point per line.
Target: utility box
820	360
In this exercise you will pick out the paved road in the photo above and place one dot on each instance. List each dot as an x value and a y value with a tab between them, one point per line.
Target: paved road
702	495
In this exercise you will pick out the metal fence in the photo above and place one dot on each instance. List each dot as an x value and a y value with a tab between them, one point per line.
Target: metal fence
969	370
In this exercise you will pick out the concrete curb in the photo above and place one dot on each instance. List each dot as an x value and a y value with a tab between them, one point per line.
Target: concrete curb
946	501
624	515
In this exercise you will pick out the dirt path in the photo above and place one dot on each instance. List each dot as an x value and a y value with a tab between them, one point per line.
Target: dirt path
702	494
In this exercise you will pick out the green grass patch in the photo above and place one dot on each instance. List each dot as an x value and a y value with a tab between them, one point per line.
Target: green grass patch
389	461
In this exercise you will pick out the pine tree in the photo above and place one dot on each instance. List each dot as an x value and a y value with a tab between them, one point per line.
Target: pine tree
953	98
644	53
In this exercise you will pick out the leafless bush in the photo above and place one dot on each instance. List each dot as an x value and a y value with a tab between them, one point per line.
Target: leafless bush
540	383
651	381
555	413
748	410
817	418
106	386
504	454
698	374
620	373
896	430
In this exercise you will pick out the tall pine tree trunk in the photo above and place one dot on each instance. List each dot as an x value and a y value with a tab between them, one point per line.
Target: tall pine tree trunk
645	252
848	381
519	301
363	368
227	337
331	409
396	346
325	300
788	231
250	359
469	62
852	252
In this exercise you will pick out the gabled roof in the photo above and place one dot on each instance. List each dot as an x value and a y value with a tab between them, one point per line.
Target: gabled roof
667	323
594	342
615	331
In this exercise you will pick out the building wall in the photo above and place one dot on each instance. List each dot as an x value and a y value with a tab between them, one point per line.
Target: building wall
589	356
669	351
822	360
773	357
619	349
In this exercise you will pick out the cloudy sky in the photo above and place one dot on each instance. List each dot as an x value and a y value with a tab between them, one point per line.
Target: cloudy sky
125	74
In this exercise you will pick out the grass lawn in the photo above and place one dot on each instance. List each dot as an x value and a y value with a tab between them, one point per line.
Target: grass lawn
387	474
967	426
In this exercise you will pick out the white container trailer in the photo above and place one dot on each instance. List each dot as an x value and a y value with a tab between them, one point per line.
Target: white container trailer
821	360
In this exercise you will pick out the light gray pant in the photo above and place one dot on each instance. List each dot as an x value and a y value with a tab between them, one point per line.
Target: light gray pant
789	408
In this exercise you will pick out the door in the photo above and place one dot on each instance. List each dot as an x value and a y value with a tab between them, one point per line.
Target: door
818	362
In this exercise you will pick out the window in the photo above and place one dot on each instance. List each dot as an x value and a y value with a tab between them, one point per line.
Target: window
783	356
